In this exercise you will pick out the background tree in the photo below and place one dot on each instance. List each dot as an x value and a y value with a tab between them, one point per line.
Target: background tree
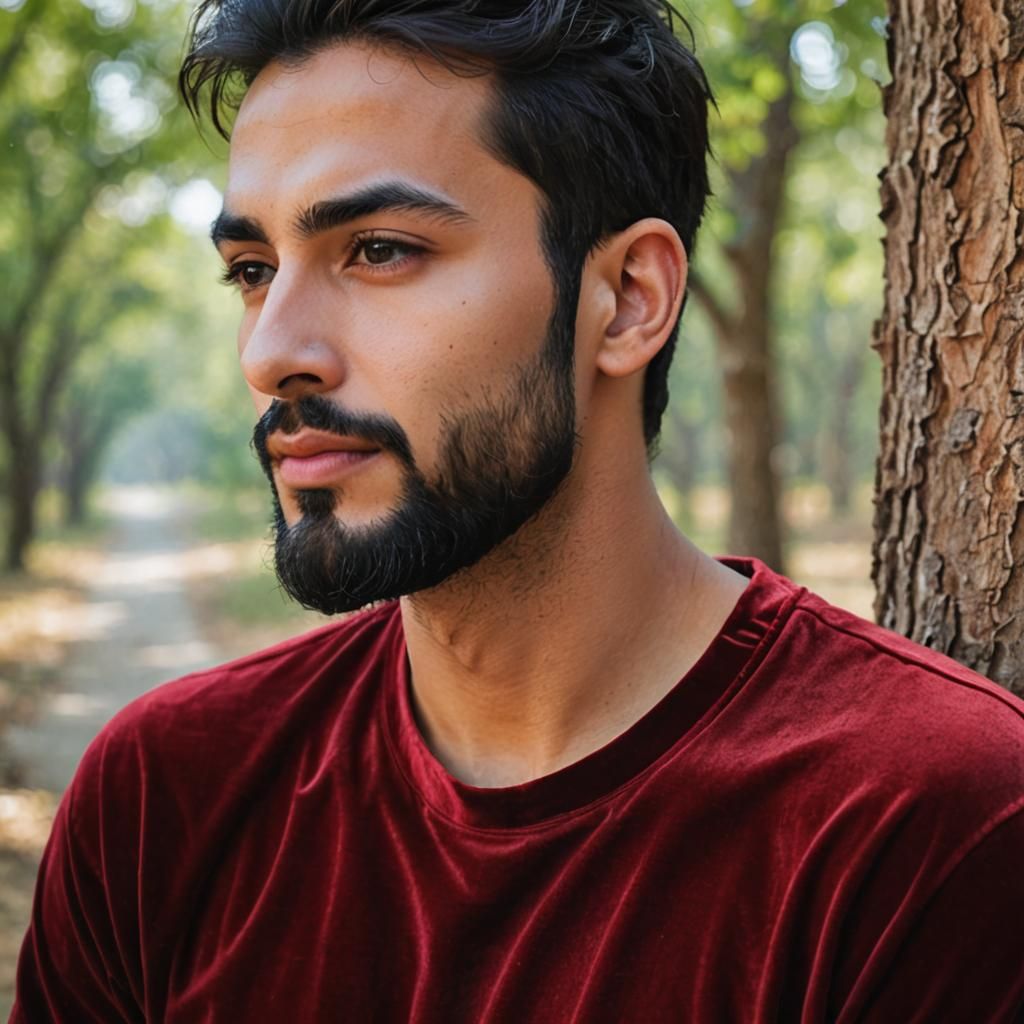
786	74
110	384
85	90
89	92
949	533
828	295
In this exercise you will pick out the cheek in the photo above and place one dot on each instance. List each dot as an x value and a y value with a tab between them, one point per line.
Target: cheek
259	400
479	322
466	354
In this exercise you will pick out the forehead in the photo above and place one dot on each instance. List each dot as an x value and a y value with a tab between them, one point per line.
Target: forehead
355	112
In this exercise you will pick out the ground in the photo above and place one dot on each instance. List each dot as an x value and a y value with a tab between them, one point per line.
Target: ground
175	582
93	626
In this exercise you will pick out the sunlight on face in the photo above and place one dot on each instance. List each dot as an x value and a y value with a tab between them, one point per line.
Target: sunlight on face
398	307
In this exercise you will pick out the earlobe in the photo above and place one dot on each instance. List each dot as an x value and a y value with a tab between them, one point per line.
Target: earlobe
646	266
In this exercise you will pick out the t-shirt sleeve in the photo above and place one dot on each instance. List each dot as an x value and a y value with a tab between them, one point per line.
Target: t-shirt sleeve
962	957
69	967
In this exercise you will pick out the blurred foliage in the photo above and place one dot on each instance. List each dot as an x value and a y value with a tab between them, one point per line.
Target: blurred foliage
106	202
115	337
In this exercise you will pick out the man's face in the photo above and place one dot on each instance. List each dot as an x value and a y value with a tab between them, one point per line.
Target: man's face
400	333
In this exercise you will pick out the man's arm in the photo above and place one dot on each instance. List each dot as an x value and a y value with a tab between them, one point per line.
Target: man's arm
960	958
70	970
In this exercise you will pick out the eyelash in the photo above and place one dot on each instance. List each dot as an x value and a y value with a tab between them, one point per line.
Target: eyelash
232	274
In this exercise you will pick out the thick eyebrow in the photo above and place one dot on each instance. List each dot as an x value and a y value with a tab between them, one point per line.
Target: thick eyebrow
332	213
229	227
384	197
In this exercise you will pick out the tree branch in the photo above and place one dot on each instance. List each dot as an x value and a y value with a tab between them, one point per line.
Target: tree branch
759	187
46	261
65	345
32	13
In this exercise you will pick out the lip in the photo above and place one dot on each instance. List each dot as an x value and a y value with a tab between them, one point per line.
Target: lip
312	458
307	443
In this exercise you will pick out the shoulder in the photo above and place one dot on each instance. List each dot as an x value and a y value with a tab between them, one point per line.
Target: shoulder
876	716
912	681
270	682
219	727
911	779
173	773
824	671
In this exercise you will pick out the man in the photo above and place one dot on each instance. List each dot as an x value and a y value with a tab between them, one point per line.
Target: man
568	768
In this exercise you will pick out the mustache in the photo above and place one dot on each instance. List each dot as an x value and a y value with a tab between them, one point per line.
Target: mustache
317	413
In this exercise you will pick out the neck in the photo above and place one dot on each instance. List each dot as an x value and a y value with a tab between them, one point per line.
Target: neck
564	636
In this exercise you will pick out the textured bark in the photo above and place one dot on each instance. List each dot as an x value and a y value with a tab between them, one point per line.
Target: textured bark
949	533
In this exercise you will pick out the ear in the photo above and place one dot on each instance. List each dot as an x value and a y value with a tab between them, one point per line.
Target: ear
644	267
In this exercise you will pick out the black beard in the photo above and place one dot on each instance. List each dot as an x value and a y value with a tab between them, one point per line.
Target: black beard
500	463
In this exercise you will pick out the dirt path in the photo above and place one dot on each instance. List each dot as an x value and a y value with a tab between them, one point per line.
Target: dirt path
141	633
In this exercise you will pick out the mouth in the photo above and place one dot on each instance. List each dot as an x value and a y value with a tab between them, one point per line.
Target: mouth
313	459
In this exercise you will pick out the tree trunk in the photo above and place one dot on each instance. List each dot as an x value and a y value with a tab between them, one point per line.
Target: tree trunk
25	423
75	485
745	338
85	436
836	470
949	533
21	526
680	461
752	430
837	444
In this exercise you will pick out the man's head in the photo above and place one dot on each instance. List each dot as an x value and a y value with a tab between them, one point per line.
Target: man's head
416	189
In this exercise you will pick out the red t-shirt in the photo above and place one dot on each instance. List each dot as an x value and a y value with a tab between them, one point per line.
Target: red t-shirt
820	822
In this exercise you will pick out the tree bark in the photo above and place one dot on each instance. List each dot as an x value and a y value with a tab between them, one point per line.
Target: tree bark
949	533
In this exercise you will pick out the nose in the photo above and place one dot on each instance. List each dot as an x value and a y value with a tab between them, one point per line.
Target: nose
289	350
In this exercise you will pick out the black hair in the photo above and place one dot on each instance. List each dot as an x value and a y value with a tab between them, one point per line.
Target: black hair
597	102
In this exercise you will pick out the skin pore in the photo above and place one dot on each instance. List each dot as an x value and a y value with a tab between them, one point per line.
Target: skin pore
576	625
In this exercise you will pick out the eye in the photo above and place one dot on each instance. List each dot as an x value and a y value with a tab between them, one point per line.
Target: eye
382	251
248	275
